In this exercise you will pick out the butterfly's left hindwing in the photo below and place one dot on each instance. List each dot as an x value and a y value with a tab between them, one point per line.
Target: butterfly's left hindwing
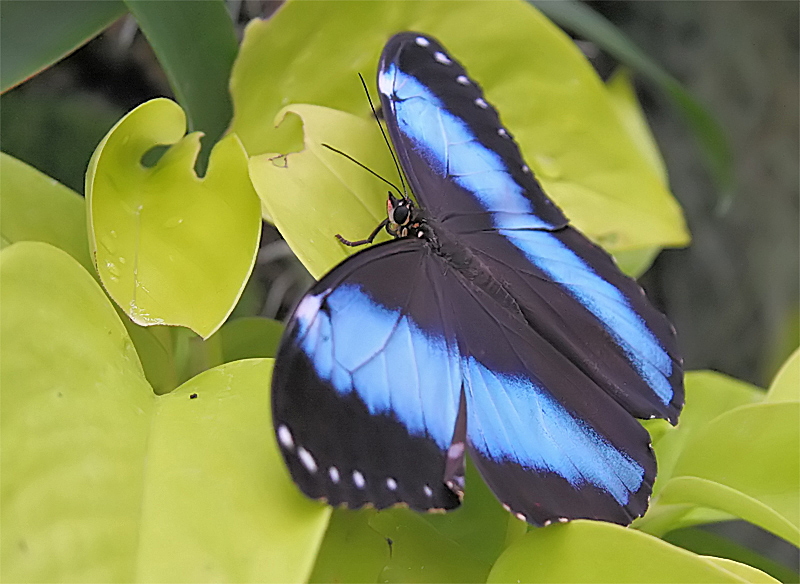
364	399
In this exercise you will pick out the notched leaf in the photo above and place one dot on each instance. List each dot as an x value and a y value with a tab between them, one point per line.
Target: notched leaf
171	248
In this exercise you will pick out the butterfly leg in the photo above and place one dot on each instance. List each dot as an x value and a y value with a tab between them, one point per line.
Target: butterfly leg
361	242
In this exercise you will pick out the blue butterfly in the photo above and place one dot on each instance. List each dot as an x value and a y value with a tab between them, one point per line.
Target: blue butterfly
488	326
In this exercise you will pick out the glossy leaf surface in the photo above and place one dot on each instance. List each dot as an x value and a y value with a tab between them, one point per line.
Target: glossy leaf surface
39	208
37	34
171	248
104	481
584	551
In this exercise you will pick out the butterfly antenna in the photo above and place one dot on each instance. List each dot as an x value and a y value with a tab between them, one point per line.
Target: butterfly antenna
362	165
385	138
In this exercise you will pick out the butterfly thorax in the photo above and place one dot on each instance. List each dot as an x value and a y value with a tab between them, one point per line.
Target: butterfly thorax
406	220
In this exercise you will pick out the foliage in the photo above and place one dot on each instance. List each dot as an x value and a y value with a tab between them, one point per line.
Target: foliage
133	453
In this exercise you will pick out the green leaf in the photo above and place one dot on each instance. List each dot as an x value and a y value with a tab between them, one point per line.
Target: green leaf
352	550
623	98
218	502
786	385
38	208
37	34
104	481
587	23
420	553
754	449
708	395
249	337
198	76
747	573
171	248
335	195
635	262
695	491
458	546
708	542
590	551
566	125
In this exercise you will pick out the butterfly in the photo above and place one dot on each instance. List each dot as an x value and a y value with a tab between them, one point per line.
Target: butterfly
488	327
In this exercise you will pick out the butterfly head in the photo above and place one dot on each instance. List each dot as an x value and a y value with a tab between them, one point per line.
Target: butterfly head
404	218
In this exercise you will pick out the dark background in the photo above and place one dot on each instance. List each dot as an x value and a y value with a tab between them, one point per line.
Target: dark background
733	294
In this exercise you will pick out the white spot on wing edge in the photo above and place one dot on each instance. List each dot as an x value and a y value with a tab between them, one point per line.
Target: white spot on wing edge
463	79
422	41
428	491
481	103
309	306
358	480
386	83
442	58
333	472
307	460
285	437
391	484
455	451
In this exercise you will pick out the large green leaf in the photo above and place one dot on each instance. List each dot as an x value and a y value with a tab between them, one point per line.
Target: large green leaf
548	94
198	75
635	262
786	385
352	550
171	248
709	542
399	545
38	208
590	551
587	23
747	573
626	104
34	35
689	490
708	395
104	481
754	449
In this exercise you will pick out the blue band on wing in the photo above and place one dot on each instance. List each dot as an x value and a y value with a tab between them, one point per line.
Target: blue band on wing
359	345
509	418
543	435
643	349
452	149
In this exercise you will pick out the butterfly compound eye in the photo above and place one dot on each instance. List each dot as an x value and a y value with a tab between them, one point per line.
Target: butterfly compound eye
400	214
